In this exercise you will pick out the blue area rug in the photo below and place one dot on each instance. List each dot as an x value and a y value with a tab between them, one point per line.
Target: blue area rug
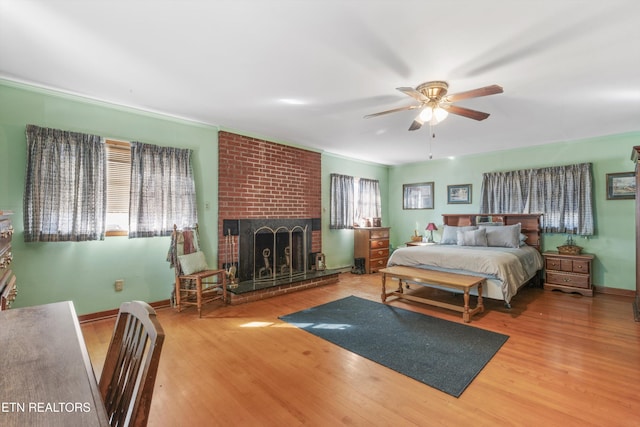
442	354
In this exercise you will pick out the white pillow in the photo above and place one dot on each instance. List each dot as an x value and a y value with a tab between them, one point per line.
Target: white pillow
193	263
472	237
450	233
507	236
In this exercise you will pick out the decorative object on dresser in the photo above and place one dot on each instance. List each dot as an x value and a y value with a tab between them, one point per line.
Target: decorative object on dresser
8	289
569	247
568	273
372	244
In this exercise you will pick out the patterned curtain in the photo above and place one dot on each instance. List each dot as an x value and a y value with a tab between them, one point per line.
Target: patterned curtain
369	203
342	202
65	186
562	193
163	191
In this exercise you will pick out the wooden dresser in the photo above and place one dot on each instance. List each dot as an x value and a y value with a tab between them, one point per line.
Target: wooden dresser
372	244
568	273
8	288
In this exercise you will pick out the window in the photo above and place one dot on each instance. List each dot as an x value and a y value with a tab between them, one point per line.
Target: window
163	191
342	202
65	186
367	195
353	200
562	193
118	187
79	187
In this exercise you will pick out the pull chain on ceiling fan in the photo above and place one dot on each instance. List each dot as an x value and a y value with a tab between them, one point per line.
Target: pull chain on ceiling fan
435	105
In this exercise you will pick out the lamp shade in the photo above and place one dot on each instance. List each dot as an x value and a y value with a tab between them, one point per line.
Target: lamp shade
431	227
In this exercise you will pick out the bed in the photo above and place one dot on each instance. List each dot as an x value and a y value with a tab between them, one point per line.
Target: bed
503	248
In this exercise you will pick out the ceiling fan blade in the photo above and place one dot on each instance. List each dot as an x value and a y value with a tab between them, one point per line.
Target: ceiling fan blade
466	112
475	93
413	93
417	124
395	110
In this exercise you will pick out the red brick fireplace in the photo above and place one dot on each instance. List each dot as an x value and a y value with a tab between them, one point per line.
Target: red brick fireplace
261	180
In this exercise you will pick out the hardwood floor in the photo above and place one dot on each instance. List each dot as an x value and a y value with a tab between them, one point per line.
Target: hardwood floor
570	360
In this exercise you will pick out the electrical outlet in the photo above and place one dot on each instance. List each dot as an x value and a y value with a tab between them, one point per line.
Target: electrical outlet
119	285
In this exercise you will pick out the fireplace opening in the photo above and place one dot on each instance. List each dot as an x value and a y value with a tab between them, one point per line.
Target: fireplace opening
279	253
273	249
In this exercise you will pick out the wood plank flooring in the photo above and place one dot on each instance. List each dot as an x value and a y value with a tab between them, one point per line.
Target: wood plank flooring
570	361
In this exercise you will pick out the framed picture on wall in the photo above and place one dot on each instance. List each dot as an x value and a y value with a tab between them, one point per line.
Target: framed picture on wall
621	186
417	196
459	194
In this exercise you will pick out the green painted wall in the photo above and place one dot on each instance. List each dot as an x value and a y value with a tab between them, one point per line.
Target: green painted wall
337	245
614	241
85	272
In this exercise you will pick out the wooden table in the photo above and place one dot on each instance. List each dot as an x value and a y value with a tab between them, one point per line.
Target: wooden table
46	377
438	278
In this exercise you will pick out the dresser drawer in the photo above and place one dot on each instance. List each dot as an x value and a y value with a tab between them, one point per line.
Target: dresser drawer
579	266
565	279
380	234
558	264
378	244
377	264
379	253
569	265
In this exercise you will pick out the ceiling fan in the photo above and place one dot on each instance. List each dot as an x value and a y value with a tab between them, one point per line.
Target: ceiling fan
435	104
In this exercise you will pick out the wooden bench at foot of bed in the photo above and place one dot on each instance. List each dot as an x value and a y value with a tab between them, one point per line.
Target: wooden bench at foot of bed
439	278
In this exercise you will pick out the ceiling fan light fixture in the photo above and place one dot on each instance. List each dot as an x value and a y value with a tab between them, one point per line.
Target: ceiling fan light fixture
426	114
439	114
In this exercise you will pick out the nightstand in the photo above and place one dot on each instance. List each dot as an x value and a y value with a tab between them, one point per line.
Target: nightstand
420	243
568	273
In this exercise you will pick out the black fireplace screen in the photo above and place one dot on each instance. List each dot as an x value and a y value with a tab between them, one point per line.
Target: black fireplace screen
278	253
273	249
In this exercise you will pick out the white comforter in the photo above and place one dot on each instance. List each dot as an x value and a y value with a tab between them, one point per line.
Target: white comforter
512	267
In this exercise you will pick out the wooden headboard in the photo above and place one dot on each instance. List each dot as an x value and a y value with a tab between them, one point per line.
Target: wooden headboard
530	223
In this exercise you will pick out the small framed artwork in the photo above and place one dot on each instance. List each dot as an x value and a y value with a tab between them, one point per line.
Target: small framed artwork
459	194
417	196
621	186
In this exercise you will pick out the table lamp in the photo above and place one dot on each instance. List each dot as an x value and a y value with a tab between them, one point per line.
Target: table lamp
430	227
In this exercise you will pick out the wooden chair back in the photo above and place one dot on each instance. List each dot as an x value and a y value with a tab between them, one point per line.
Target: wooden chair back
131	365
183	241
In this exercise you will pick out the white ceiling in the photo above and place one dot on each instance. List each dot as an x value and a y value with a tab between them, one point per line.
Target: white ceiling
307	71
